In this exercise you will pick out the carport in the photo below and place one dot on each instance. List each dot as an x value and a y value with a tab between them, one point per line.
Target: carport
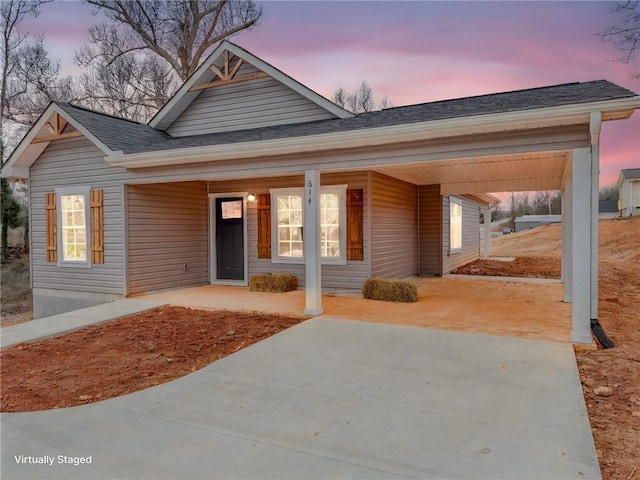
538	139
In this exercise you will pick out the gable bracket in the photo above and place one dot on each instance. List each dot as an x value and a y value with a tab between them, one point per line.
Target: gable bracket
226	76
56	126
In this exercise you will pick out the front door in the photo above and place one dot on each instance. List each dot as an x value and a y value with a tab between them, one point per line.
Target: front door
229	238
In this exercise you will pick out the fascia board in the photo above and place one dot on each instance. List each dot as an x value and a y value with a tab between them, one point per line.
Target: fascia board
26	153
25	143
172	104
289	82
168	112
90	136
430	130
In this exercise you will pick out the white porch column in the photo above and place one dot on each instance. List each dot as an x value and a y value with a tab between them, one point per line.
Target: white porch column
313	289
567	241
581	246
595	124
487	231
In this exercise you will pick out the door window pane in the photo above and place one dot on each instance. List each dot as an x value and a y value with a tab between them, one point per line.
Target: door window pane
231	209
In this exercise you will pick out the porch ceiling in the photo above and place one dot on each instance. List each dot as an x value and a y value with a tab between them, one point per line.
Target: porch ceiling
522	172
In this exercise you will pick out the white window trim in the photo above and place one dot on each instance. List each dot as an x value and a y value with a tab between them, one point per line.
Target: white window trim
78	190
456	201
341	190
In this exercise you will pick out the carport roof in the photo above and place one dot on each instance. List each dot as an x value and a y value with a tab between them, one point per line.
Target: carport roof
130	137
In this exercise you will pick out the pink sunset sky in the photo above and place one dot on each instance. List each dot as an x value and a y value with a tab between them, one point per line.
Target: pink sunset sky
415	52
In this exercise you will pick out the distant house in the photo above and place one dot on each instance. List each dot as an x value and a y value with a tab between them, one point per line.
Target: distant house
629	187
525	222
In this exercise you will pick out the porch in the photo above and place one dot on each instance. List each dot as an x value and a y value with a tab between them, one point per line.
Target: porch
526	308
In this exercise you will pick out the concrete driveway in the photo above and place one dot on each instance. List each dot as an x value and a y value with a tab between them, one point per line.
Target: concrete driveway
332	399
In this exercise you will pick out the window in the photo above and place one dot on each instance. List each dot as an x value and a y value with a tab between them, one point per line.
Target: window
288	225
73	236
455	225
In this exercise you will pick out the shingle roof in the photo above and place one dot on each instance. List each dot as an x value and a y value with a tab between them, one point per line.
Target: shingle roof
132	137
631	173
116	133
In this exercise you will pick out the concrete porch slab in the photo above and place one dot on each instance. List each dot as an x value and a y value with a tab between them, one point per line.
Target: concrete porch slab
494	305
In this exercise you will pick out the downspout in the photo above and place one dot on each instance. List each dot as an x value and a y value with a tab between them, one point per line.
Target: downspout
595	125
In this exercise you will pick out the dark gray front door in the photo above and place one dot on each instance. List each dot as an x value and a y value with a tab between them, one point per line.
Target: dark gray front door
229	238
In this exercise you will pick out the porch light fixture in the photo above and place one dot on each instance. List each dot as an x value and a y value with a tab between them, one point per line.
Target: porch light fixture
251	197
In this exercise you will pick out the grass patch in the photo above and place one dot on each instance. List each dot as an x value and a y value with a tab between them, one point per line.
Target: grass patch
390	290
273	282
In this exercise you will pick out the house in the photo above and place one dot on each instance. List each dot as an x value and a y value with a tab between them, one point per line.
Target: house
629	187
525	222
245	171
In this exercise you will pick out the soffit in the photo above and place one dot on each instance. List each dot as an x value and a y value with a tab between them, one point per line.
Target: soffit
531	171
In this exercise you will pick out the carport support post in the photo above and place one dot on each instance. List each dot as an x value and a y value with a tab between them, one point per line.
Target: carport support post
595	124
567	240
581	246
487	231
313	279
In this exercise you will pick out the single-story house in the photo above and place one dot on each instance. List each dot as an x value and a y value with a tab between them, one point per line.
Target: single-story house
629	187
525	222
245	171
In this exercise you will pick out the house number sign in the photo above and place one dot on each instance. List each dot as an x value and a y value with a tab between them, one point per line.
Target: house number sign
310	185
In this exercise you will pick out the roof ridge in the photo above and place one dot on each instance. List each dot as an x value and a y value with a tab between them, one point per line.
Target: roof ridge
104	114
509	92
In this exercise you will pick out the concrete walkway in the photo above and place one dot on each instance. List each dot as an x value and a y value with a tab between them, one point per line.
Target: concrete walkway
332	398
66	322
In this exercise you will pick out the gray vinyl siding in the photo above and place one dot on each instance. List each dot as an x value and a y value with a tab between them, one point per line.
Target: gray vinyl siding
430	230
167	228
347	276
77	162
470	234
394	227
250	104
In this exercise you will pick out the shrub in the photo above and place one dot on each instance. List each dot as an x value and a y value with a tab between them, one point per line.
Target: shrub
273	282
390	290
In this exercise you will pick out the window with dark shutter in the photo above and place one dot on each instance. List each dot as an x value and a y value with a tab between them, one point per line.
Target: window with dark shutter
264	225
51	227
355	220
97	230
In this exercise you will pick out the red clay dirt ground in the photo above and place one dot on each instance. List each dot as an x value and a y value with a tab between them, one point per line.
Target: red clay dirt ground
138	352
125	355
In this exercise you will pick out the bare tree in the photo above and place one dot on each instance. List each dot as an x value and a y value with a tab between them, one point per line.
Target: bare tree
139	60
29	78
360	101
11	14
626	34
12	48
